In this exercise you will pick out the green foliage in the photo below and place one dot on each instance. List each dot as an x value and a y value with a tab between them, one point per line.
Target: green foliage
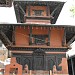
72	9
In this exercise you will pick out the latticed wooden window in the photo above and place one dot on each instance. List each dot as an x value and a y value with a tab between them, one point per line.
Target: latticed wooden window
40	39
38	12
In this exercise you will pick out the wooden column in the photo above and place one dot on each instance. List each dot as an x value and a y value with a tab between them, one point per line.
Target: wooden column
22	10
64	38
29	10
47	10
71	40
30	37
48	37
13	36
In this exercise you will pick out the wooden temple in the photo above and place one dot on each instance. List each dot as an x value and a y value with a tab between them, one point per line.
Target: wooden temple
35	40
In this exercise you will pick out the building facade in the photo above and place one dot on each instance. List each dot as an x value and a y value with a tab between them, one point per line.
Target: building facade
35	40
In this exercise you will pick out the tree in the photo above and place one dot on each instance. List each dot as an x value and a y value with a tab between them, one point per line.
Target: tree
72	9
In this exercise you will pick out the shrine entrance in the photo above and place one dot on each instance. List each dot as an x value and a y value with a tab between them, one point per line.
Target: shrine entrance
38	63
38	60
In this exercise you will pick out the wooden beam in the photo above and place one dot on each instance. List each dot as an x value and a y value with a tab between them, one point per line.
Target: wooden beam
4	38
21	9
48	10
48	37
53	12
71	40
39	17
29	10
18	14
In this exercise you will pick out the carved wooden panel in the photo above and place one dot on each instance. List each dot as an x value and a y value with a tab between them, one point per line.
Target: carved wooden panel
18	60
39	60
27	59
5	3
36	10
39	39
50	62
58	62
38	63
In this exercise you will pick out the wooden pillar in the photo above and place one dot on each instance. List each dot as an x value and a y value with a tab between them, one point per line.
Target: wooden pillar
44	61
64	38
30	37
48	37
48	10
29	10
72	67
13	37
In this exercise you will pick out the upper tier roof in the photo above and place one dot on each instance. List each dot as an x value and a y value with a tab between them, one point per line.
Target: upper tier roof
55	8
6	30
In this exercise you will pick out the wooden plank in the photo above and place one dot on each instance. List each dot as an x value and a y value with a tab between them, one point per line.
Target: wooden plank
71	40
4	38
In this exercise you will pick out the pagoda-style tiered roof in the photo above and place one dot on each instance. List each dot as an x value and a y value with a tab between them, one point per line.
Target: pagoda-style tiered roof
54	7
6	31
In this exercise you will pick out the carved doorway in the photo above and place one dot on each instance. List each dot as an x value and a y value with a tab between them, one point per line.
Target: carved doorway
38	63
38	60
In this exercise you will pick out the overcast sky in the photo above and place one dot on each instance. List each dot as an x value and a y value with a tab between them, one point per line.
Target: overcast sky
65	17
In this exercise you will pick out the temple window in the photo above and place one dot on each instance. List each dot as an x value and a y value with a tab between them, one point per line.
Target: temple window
39	39
38	12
